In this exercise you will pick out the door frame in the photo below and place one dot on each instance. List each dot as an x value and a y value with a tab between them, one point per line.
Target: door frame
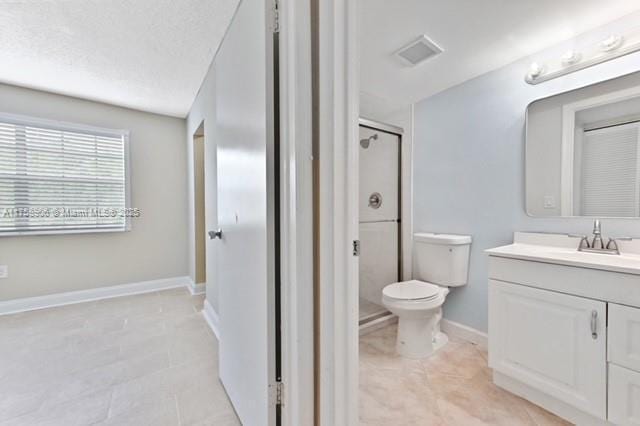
296	211
319	275
197	156
335	140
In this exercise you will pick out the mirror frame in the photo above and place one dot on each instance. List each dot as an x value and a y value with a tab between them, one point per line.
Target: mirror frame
618	95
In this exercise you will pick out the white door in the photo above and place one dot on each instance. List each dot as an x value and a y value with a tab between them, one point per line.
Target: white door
550	341
246	255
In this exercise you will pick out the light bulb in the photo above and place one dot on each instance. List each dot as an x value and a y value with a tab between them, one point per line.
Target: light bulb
571	57
610	43
535	70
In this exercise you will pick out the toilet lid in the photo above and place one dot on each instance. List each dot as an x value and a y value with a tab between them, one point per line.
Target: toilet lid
411	290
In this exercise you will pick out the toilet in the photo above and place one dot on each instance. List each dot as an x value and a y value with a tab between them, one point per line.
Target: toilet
440	261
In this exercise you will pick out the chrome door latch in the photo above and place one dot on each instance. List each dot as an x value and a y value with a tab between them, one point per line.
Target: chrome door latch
215	234
356	247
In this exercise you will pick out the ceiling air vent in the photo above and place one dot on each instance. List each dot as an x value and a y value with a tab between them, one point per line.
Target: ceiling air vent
418	51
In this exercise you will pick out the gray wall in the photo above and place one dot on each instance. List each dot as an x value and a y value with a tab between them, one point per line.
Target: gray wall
153	249
469	168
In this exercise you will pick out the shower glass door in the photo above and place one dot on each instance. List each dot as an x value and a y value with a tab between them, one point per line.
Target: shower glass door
379	203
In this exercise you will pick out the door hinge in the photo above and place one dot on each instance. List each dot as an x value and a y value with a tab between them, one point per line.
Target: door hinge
356	247
279	393
276	17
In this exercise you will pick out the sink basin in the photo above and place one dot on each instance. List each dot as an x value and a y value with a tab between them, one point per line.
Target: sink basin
562	249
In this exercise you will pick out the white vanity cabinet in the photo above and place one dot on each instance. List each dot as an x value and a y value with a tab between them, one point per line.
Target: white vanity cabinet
545	339
624	367
624	396
564	328
624	336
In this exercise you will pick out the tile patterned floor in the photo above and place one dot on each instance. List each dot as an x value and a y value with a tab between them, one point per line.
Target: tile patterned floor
141	360
453	387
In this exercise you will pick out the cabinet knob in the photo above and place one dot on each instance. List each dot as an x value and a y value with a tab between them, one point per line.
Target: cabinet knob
594	324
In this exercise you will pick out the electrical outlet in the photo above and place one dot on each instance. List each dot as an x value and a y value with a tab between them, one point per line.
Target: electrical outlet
4	271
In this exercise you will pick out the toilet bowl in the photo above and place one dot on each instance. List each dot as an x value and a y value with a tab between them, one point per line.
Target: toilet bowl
418	305
441	262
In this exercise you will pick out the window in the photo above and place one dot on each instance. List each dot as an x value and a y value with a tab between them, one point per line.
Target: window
61	178
610	172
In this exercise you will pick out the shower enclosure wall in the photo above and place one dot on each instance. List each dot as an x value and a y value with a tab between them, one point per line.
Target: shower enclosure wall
379	204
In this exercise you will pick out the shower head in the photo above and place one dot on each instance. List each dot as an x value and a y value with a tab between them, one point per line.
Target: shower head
365	142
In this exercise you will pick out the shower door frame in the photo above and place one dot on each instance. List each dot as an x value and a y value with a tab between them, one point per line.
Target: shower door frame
406	182
402	273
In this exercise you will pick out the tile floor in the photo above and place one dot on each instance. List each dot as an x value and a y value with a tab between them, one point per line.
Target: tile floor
141	360
453	387
367	308
151	360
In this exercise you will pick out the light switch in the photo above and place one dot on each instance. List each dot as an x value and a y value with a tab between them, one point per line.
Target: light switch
4	271
549	202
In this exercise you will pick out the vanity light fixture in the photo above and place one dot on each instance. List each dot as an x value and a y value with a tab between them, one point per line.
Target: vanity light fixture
614	46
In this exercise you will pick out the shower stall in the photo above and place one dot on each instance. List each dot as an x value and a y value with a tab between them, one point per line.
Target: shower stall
379	219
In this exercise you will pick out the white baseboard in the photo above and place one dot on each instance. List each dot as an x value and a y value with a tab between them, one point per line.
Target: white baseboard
196	289
549	403
211	316
69	298
464	332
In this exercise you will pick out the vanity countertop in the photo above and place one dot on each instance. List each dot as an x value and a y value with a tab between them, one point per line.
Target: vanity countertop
561	249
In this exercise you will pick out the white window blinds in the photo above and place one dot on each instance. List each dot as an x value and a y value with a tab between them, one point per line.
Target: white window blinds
610	172
59	178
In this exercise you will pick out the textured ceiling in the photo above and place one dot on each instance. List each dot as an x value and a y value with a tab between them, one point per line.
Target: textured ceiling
477	36
150	55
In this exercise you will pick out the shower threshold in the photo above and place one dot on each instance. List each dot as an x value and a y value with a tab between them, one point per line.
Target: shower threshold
375	322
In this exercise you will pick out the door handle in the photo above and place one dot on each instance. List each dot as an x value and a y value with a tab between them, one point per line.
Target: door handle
594	324
215	234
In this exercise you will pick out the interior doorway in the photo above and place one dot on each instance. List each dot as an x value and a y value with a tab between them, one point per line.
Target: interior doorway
199	206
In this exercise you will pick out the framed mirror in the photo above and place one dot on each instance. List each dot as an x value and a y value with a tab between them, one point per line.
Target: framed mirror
583	153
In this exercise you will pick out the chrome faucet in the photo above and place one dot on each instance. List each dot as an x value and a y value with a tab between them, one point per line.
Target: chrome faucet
596	245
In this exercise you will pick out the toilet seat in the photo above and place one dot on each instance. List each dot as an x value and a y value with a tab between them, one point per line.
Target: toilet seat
413	290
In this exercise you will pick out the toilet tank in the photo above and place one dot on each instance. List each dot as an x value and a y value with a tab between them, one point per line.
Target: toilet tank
442	259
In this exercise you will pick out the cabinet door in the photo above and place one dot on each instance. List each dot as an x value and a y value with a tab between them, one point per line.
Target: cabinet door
624	396
624	336
544	339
